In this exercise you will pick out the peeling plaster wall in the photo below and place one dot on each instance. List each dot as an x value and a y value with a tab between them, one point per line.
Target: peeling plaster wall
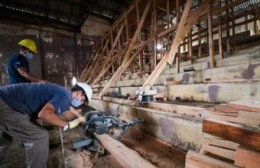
59	56
63	57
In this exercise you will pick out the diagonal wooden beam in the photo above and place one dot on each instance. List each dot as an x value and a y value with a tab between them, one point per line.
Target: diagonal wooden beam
88	67
137	32
179	32
106	68
122	69
124	65
89	73
109	57
188	19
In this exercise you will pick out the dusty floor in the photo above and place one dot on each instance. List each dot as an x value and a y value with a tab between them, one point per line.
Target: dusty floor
155	151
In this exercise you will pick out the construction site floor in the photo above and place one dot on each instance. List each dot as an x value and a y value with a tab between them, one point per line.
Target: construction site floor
159	153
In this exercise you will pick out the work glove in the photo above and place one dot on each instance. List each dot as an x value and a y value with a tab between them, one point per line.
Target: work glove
74	123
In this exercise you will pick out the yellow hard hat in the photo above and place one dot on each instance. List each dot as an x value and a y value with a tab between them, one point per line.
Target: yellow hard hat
28	43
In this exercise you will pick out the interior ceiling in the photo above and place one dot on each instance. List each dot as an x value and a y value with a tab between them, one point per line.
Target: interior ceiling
63	14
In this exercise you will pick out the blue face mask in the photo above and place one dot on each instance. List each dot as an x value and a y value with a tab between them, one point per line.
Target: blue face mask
75	102
28	56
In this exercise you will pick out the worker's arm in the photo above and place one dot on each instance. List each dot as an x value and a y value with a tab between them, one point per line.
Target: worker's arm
47	114
69	115
28	76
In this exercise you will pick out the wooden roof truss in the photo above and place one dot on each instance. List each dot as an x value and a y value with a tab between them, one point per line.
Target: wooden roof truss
183	29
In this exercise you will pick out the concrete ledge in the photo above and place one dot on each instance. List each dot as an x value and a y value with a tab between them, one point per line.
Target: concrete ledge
181	126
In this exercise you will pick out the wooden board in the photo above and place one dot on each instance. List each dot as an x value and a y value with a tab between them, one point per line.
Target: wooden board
246	136
220	142
218	151
197	160
219	116
249	118
223	108
128	158
247	105
172	82
247	158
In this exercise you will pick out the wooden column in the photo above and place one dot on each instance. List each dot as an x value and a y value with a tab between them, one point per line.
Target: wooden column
220	34
199	42
177	61
233	28
227	30
255	19
210	38
137	19
190	45
141	61
246	25
155	33
168	13
177	9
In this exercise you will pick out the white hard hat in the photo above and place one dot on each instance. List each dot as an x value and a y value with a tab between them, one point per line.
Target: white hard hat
87	89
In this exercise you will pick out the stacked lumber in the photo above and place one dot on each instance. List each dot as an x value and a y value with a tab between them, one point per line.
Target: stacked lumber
245	112
247	105
222	112
236	137
249	111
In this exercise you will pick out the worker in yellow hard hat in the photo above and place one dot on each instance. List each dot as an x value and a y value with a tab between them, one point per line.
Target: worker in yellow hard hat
18	65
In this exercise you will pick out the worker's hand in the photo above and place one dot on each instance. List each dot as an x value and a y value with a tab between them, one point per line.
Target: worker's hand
76	122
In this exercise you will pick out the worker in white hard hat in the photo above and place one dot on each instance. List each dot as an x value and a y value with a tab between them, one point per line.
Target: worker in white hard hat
21	104
18	65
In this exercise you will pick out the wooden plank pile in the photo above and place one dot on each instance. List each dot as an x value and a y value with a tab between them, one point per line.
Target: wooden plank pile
235	140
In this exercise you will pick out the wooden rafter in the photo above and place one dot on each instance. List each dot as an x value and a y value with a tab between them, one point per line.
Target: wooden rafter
106	65
88	74
93	69
126	47
124	65
190	18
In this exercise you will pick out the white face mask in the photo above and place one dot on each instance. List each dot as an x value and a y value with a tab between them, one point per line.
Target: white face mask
28	55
